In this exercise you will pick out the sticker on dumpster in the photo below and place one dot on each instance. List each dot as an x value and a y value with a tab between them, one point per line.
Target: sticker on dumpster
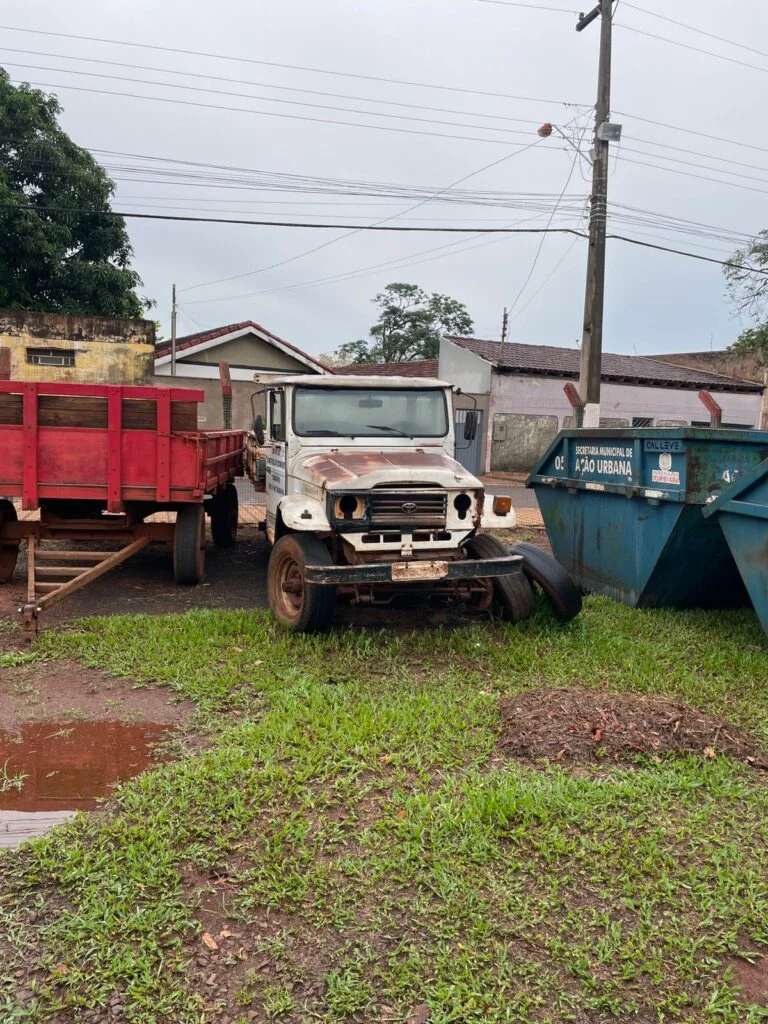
604	460
665	474
659	444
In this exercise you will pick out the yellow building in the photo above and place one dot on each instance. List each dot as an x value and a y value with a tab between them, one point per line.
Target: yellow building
58	347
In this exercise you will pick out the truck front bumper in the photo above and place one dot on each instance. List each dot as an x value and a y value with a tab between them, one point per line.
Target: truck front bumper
414	571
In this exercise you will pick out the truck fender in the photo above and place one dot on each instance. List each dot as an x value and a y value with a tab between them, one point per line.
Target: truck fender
304	514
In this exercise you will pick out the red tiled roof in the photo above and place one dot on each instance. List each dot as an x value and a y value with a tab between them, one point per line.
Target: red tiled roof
552	361
412	368
163	348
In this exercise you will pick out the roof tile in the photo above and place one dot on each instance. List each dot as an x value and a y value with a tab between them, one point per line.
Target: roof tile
552	361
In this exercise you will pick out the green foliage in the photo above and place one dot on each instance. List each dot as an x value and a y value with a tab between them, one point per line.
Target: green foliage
746	283
409	326
52	260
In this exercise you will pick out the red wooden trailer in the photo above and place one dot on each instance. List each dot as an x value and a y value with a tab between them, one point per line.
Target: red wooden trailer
97	460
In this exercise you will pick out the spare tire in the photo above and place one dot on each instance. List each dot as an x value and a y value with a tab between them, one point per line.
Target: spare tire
547	573
512	596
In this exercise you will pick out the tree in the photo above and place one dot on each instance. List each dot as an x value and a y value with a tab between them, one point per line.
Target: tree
746	283
409	327
60	249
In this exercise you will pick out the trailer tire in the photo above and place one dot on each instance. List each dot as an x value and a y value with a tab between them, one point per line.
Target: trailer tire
224	508
512	595
189	545
309	609
547	573
9	550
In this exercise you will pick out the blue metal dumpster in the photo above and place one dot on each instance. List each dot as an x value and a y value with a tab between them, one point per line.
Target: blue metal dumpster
623	511
742	512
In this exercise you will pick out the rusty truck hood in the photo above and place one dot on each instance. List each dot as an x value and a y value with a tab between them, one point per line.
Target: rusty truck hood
365	469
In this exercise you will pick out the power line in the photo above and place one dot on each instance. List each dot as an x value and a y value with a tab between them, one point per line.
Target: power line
692	28
255	85
692	131
267	99
547	279
273	113
689	174
695	49
290	67
370	227
535	7
378	223
543	237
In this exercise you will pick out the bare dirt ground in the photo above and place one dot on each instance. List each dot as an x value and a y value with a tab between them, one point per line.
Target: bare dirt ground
57	691
234	578
573	726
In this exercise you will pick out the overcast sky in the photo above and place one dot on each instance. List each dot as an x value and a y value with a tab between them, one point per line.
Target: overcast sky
655	302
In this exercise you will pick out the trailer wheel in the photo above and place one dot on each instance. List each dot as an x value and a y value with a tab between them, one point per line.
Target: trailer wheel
542	569
224	508
9	550
302	607
189	545
512	595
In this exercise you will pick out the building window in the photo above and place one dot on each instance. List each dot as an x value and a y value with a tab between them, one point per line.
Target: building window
50	357
642	421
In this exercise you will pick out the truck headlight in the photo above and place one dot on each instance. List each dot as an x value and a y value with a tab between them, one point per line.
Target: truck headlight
349	506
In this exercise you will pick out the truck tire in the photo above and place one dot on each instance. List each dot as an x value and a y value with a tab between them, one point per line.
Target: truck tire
512	595
223	508
308	607
546	572
189	545
9	550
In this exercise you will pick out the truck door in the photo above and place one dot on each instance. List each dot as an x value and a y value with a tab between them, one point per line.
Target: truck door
276	461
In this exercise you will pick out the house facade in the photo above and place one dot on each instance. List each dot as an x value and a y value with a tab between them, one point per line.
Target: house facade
520	393
59	347
254	356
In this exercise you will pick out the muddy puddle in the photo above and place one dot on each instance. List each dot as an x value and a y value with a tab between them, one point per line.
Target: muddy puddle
50	770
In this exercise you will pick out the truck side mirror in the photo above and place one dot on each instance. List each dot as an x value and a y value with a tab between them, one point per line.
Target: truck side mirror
258	429
470	425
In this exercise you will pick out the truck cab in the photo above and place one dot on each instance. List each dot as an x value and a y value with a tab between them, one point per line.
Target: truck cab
365	500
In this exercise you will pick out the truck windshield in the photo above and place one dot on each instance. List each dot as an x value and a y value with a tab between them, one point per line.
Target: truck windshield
370	412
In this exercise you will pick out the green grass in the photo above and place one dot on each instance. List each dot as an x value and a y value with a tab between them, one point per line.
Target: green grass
384	860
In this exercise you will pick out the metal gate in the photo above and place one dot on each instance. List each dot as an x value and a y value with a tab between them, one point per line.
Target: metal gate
468	452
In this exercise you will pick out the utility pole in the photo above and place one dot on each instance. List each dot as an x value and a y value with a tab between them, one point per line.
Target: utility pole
504	326
592	335
173	331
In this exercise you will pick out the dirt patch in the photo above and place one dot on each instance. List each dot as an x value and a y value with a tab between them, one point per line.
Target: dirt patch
581	726
54	691
752	980
234	578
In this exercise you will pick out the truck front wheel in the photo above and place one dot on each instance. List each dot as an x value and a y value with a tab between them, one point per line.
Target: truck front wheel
303	607
512	595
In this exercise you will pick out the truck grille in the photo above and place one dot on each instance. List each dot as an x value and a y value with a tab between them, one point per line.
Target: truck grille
406	508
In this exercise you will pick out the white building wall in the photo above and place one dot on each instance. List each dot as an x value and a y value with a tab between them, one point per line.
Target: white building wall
464	369
544	397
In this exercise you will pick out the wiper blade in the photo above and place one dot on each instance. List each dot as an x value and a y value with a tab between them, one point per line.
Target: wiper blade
324	433
385	426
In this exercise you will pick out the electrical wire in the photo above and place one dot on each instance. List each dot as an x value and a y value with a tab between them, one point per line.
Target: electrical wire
376	224
272	113
256	85
535	7
546	280
267	99
543	237
695	49
692	28
290	67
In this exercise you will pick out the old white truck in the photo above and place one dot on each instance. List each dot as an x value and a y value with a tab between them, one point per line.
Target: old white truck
366	502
